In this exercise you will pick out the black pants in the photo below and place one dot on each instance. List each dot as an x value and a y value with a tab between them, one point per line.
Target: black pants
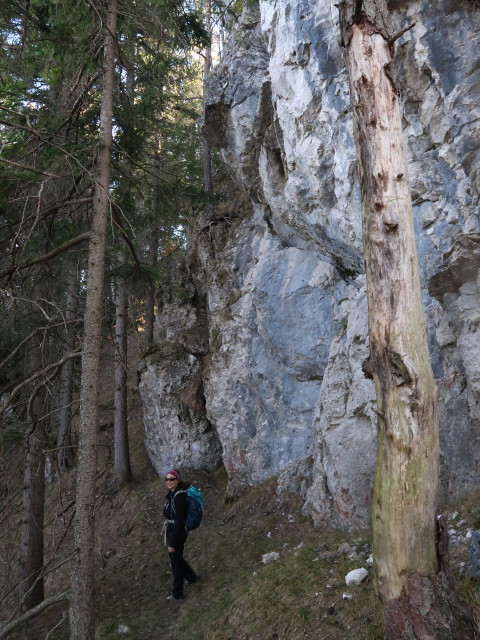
181	570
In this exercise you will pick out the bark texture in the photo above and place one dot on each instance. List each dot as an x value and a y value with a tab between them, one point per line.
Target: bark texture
31	585
405	492
64	439
33	502
428	609
123	469
82	613
153	252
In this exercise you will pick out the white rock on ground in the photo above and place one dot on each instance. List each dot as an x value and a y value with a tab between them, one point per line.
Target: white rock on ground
267	558
355	577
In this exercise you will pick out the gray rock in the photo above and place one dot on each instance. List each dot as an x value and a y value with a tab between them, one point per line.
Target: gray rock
345	548
277	345
268	558
473	563
356	576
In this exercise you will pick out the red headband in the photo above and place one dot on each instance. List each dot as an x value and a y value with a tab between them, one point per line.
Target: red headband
173	472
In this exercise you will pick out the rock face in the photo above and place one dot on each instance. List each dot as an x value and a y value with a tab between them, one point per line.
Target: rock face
279	274
177	430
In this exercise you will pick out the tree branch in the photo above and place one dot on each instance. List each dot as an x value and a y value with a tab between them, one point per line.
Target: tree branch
24	383
26	167
400	33
7	628
124	234
47	256
34	333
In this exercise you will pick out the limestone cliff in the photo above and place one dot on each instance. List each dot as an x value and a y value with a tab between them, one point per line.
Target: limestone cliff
271	332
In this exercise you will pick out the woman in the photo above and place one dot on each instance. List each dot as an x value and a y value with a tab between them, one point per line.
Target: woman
175	511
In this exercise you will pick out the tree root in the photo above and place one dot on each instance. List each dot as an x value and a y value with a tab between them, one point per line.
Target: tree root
429	609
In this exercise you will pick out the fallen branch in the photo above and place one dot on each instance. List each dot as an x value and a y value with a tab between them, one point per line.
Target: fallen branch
48	602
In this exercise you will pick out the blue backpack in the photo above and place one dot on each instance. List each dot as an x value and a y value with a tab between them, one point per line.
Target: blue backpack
194	508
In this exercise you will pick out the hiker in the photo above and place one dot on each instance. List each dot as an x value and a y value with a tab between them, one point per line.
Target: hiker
175	511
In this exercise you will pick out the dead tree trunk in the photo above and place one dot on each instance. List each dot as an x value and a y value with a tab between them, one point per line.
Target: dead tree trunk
417	600
82	611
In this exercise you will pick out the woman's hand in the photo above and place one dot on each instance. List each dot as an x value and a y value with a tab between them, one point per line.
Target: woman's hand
171	550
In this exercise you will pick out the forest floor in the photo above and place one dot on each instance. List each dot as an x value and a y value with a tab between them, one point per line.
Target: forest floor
301	595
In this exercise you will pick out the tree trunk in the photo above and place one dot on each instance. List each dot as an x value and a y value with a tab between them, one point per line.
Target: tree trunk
407	569
153	242
82	613
64	439
33	503
31	585
123	469
120	419
207	154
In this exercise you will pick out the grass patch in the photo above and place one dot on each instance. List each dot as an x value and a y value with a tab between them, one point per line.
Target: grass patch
298	596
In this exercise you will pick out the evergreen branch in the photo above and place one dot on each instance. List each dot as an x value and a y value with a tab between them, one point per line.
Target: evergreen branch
116	222
27	167
32	335
144	168
35	376
41	135
66	203
14	113
47	256
78	102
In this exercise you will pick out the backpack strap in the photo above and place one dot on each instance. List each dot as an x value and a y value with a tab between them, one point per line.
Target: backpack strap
164	530
172	502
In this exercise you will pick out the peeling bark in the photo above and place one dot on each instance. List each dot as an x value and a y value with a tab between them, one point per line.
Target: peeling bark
407	568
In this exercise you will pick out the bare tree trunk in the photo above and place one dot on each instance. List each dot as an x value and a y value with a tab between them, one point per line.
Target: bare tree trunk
417	601
82	612
64	438
31	554
123	469
152	253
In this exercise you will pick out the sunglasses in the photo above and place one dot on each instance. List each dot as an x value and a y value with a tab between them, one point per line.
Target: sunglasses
169	479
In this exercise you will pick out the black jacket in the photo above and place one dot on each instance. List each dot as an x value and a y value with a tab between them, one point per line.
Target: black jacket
176	510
